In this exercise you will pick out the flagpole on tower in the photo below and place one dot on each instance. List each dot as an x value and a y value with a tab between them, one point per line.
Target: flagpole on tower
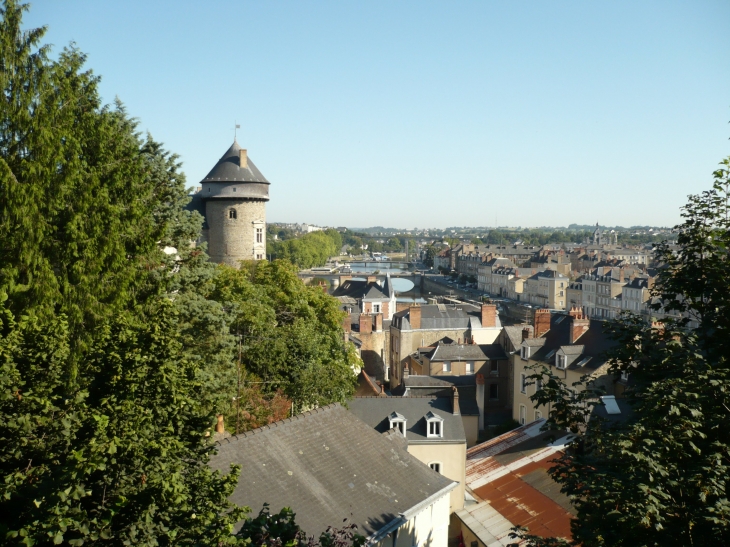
235	127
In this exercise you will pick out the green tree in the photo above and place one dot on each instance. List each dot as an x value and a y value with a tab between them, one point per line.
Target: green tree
292	333
430	254
660	477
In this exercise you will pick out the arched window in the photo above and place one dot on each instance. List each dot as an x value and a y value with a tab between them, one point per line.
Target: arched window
232	213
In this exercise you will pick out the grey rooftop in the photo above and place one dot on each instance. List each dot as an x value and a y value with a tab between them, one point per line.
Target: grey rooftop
327	465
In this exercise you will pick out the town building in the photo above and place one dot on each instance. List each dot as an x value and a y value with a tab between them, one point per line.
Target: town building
232	200
421	326
313	464
570	345
546	289
432	428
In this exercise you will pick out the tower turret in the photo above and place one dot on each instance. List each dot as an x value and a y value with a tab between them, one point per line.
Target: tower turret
233	197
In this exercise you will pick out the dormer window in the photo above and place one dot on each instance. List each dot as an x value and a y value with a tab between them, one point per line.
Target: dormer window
560	361
525	353
398	421
434	425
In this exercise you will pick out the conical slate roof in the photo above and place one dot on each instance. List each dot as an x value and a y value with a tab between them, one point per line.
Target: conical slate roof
228	170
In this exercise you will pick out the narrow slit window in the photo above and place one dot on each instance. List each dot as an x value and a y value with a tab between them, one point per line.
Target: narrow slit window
232	213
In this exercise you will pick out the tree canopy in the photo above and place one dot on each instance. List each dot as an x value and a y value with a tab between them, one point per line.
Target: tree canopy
659	478
116	349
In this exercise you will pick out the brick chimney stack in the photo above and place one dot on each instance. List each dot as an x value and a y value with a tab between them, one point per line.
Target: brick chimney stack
455	398
243	158
347	323
526	333
414	317
372	279
219	426
366	323
542	322
489	315
579	325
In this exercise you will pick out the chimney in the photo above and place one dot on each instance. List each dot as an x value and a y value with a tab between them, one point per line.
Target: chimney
366	323
489	315
347	323
576	312
414	317
526	333
455	398
372	279
578	327
219	427
480	400
243	158
406	371
379	322
542	322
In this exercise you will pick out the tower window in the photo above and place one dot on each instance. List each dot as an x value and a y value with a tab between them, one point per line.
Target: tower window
231	213
259	235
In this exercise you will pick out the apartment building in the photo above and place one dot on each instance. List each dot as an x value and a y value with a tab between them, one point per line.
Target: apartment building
546	289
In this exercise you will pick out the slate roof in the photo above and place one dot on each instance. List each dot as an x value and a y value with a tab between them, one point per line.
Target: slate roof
443	316
327	466
362	289
514	333
593	344
464	352
228	170
374	411
441	386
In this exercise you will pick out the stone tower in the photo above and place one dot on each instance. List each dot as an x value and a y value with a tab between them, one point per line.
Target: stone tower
232	198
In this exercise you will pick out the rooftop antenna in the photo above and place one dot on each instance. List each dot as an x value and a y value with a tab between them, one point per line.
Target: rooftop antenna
235	127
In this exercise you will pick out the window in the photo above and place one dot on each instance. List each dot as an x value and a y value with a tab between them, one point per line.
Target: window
525	353
494	368
231	213
538	415
259	235
447	366
538	385
624	375
436	466
398	421
259	257
560	361
469	367
523	411
523	383
434	425
376	308
494	391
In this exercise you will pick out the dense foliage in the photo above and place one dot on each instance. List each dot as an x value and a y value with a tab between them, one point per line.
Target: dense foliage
309	250
116	349
292	333
659	478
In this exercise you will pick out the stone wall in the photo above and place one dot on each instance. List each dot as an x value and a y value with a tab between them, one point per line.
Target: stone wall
233	239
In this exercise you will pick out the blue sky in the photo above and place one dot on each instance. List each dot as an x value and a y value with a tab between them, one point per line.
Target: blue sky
427	114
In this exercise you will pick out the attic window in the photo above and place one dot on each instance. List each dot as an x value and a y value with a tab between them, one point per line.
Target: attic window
549	355
398	421
561	361
525	353
434	426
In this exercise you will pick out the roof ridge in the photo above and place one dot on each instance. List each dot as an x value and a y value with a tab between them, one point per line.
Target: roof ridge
272	425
